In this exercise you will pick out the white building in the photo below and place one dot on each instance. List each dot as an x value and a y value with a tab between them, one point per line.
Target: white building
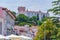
6	21
39	14
22	10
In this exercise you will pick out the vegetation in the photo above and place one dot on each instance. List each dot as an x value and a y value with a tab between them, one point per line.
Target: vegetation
50	28
23	20
21	23
56	7
14	12
39	22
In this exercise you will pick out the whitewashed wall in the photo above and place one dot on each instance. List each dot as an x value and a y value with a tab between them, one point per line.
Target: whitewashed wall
7	23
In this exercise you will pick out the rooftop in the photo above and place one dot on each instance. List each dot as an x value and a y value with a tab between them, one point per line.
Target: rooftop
8	11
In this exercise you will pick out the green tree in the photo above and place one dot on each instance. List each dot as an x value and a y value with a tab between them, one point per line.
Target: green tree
33	19
56	7
39	22
44	19
22	18
58	34
49	28
56	22
14	12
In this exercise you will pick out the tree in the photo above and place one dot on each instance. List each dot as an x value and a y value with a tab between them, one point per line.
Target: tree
49	28
33	19
56	7
39	22
56	22
44	19
58	34
14	12
22	18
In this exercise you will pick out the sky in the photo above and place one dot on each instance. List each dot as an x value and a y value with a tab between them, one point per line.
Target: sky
35	5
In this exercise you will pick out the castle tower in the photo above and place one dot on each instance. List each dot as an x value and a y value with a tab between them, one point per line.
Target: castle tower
21	9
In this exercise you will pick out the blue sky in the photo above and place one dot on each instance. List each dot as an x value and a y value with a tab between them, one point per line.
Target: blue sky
36	5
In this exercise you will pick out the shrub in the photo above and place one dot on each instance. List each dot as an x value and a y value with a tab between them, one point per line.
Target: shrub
21	23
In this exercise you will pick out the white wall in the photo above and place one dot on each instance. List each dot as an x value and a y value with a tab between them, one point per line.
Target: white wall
7	23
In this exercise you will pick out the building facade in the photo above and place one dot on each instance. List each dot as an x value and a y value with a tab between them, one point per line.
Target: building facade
6	21
22	10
